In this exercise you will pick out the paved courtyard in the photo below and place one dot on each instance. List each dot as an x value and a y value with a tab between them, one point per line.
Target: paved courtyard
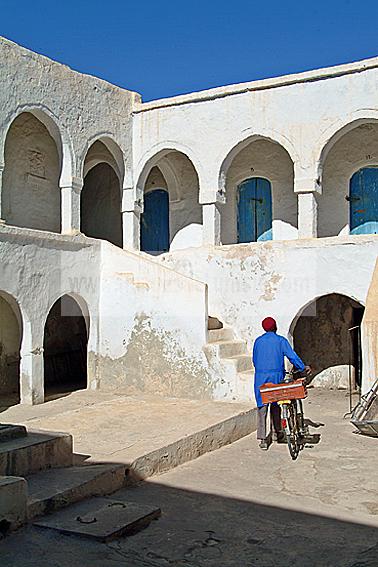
242	507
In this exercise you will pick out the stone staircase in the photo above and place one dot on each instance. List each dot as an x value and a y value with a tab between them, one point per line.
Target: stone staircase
130	277
40	473
231	361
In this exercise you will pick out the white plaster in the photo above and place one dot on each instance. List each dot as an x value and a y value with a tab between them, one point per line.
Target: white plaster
190	236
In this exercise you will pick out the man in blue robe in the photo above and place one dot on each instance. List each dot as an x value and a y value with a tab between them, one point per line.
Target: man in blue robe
269	352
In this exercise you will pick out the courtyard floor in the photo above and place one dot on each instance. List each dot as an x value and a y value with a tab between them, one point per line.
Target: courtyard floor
241	507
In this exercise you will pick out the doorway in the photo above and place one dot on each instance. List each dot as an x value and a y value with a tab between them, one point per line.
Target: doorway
254	210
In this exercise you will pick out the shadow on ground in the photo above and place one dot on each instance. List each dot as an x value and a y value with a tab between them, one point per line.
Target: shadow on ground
203	530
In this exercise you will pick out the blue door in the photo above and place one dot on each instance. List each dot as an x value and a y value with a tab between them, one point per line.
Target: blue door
254	210
363	201
154	235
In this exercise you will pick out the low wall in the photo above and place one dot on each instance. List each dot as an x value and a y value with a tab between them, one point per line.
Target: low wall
153	328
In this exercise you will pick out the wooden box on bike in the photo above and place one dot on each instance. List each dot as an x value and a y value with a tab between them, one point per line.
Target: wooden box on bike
285	391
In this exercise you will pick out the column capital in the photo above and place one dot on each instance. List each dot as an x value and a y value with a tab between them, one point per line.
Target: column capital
132	202
209	197
307	185
75	183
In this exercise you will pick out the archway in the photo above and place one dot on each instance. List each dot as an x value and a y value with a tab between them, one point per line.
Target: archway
267	162
254	200
10	344
65	347
100	207
173	175
349	171
31	193
326	335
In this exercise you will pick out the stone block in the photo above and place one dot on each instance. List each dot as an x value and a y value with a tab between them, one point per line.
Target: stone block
13	502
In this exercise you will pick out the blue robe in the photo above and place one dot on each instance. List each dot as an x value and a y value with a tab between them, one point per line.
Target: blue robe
269	353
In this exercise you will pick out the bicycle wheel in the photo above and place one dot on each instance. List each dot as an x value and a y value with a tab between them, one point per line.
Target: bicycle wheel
292	433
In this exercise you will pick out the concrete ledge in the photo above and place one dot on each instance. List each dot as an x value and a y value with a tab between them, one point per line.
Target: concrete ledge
194	445
13	499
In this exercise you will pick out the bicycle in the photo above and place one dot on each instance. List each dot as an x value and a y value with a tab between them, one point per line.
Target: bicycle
289	395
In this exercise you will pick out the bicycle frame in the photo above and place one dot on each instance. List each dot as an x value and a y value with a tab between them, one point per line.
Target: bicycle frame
292	421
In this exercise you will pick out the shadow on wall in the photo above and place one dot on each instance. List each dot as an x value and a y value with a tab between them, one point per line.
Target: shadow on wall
322	339
101	206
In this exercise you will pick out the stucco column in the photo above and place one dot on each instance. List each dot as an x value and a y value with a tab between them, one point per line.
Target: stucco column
211	202
211	224
2	220
32	368
70	193
307	215
131	211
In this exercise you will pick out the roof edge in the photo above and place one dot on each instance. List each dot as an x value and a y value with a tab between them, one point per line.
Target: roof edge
261	84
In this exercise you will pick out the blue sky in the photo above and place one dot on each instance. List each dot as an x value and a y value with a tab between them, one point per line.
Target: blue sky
166	47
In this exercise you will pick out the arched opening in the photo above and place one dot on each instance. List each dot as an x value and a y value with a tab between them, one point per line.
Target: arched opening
254	199
327	336
170	181
10	344
363	201
259	179
100	207
65	347
348	203
31	193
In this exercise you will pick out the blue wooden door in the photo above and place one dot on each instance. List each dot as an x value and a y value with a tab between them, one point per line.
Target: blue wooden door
254	210
363	201
155	222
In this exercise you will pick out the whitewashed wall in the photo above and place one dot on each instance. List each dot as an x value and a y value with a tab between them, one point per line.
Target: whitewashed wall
248	282
153	328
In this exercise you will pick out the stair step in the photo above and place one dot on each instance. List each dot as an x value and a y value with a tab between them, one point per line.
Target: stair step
142	285
129	276
53	489
228	349
225	334
247	375
242	363
9	431
39	450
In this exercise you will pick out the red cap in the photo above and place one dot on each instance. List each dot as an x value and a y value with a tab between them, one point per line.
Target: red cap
269	324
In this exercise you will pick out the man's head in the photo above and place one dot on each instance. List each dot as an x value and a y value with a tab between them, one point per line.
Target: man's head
269	325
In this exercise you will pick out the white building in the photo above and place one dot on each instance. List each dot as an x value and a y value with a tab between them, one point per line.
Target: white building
263	197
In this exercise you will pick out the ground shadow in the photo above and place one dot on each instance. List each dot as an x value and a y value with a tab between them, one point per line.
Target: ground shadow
203	530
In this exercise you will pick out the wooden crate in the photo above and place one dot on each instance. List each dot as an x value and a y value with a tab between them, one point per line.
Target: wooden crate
285	391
